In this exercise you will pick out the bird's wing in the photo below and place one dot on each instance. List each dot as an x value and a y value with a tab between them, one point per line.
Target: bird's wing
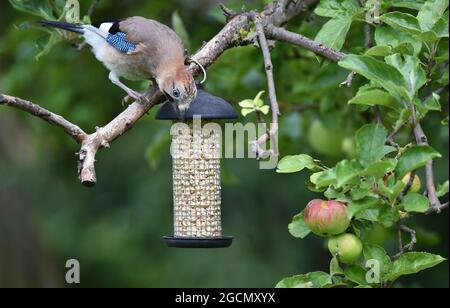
151	36
111	32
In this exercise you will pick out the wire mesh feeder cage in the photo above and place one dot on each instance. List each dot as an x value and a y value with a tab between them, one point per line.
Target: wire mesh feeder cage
196	152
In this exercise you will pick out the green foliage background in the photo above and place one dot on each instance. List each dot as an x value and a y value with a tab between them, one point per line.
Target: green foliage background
115	229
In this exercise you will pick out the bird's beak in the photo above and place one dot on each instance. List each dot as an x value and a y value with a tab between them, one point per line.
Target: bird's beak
177	109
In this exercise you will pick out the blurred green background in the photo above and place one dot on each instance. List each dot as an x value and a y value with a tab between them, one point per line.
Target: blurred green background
115	228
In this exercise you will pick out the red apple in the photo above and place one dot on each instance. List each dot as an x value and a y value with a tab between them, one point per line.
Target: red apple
326	218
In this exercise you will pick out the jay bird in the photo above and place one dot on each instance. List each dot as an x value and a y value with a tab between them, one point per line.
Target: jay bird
137	48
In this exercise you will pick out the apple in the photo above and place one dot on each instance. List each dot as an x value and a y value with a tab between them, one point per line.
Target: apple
347	247
325	140
416	184
326	218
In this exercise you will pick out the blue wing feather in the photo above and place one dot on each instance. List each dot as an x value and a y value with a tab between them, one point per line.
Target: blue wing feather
118	41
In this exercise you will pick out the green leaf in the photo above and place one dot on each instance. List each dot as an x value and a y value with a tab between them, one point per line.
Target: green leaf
433	102
409	4
414	202
442	189
346	172
441	26
386	36
362	192
376	97
413	262
264	109
380	168
246	111
357	206
356	274
410	68
247	103
379	51
414	158
336	9
375	252
45	44
334	32
326	178
335	268
369	215
388	215
402	22
430	13
257	100
298	228
41	8
384	74
310	280
180	29
296	163
334	194
370	144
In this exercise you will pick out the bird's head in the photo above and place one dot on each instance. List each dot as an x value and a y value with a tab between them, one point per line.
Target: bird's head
179	88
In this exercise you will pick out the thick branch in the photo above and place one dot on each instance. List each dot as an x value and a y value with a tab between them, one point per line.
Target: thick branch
71	129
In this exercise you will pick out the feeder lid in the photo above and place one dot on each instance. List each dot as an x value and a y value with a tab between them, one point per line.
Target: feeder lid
205	105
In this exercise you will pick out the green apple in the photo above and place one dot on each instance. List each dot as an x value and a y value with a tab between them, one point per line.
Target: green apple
325	140
347	247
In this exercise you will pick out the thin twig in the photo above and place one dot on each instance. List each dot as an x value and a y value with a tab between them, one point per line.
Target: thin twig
408	186
283	35
390	139
437	209
270	85
399	236
93	7
349	80
229	13
421	139
410	245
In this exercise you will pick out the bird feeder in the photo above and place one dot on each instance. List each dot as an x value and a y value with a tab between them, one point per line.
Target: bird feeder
196	156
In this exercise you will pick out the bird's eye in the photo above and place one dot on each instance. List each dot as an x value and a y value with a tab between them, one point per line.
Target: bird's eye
176	93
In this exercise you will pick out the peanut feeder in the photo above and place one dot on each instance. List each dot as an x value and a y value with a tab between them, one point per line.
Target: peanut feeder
196	152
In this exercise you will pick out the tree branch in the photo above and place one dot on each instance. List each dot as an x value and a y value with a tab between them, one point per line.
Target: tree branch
280	34
421	139
268	66
410	245
230	36
69	128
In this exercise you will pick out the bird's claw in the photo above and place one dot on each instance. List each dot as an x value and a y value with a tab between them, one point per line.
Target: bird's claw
135	96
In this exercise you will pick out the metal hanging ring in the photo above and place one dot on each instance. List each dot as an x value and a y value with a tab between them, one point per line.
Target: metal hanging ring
190	60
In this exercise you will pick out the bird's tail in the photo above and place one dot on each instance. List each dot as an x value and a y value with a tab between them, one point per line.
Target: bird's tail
63	25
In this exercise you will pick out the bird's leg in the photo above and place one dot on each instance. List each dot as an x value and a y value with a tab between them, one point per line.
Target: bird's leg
130	92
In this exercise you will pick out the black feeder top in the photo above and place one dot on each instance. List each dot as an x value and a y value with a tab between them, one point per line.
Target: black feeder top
205	105
210	107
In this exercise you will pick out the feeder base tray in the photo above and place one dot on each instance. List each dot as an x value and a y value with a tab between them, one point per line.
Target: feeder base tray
198	242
